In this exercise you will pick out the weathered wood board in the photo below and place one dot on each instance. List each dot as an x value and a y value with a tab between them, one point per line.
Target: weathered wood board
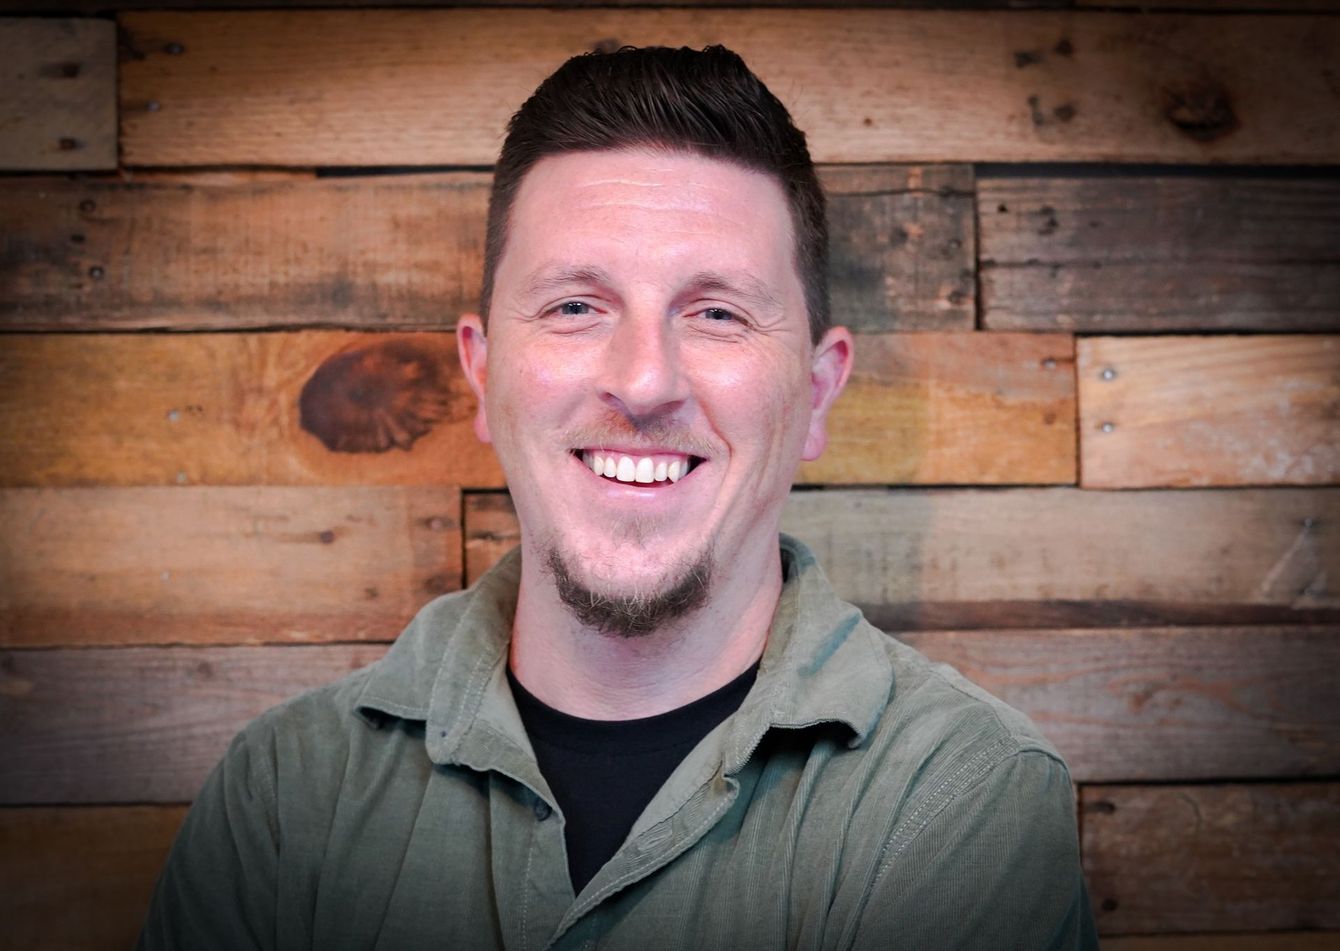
1203	411
1165	704
1250	857
308	408
142	724
402	251
1160	253
222	564
1259	941
57	94
954	408
436	87
80	877
926	559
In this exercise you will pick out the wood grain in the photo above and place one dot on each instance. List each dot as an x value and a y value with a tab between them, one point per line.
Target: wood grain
58	94
436	87
221	564
1203	411
308	408
1252	857
1165	704
142	724
80	877
927	559
1160	253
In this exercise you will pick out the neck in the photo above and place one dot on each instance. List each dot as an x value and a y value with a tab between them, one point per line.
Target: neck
586	673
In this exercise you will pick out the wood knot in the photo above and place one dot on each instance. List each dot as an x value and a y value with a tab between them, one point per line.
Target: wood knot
1202	109
606	45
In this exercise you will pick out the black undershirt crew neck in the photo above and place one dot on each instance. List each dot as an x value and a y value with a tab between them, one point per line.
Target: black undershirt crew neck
604	772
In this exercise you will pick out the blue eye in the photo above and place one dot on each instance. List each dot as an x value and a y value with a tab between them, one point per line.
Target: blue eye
573	308
718	313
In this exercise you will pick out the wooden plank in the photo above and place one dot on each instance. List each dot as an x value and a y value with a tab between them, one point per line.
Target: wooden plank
954	408
142	724
80	877
1200	411
1262	941
1211	6
436	87
1160	253
1252	857
218	565
928	559
1165	704
219	251
308	408
58	94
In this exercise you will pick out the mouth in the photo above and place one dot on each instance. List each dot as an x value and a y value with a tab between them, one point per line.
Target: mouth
657	468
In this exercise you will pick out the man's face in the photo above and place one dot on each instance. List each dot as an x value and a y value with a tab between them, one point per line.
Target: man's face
648	322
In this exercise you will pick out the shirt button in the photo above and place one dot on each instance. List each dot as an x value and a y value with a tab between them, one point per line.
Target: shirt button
542	810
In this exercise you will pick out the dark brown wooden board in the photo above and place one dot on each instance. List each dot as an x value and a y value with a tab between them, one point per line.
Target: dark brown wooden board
57	94
1249	857
204	565
1160	253
437	87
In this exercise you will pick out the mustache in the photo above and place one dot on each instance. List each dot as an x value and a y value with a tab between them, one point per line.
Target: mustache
660	432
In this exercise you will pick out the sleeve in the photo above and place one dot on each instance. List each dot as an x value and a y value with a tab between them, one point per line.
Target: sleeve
997	867
218	887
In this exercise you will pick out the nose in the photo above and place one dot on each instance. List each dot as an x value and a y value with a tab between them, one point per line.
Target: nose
643	374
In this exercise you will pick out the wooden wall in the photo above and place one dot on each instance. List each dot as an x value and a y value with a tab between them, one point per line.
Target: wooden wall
1090	454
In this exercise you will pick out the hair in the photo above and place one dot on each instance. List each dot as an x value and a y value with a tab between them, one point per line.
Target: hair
706	102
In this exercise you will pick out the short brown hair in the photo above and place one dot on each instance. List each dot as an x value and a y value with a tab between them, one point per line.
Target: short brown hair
702	101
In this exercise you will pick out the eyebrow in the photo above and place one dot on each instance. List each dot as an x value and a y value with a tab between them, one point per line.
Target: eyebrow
548	278
742	285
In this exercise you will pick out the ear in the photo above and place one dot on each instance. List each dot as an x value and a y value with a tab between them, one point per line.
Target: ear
472	346
828	375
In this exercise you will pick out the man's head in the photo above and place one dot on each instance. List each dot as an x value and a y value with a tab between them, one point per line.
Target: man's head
651	377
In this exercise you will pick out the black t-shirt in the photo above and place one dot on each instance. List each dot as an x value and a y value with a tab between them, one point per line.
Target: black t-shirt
604	772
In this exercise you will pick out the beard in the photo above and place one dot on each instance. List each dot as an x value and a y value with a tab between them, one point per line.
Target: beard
635	614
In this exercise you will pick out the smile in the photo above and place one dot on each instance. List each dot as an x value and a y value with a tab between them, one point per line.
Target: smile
647	469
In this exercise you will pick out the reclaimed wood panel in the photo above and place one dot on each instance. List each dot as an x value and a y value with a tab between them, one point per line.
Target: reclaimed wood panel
142	724
436	87
963	558
1160	253
1249	857
80	877
58	94
954	408
222	564
306	408
1202	411
1165	704
234	251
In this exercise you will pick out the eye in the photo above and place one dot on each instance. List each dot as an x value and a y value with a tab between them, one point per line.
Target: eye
572	308
719	313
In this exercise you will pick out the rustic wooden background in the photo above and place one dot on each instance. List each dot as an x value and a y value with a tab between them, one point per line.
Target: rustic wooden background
1090	455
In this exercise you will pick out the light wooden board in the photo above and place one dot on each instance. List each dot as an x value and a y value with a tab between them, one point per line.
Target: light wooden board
1202	411
231	251
1252	857
221	564
954	408
80	877
923	559
1166	704
1160	253
437	87
57	94
142	724
228	409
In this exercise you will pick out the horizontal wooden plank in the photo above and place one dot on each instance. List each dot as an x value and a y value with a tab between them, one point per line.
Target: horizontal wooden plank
866	85
1251	857
308	408
927	559
80	877
218	565
1160	253
58	97
1259	941
954	408
1166	704
1200	411
402	251
142	724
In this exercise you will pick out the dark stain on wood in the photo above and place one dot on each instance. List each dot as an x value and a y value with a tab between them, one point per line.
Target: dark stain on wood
607	44
1024	58
1202	109
375	397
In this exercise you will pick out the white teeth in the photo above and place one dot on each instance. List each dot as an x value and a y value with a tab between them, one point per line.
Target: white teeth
610	467
627	470
589	458
659	475
645	469
675	470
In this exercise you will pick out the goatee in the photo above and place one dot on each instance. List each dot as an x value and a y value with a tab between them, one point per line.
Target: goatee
637	614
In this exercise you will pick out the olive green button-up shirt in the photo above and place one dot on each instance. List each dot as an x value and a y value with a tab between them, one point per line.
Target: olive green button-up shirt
861	797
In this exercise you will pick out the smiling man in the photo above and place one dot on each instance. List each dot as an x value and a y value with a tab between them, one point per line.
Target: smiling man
653	725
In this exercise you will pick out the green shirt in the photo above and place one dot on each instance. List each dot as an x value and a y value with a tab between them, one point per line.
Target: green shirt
861	797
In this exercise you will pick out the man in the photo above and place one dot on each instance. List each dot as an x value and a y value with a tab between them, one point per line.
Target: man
653	725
